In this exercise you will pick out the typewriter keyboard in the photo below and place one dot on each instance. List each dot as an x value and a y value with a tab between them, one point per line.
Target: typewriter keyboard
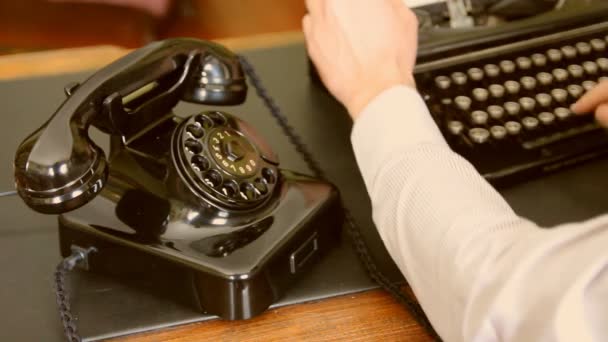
507	109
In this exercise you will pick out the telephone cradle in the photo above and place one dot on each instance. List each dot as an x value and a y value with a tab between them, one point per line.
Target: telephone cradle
198	204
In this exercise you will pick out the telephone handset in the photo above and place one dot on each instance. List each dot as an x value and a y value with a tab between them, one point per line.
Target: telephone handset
199	202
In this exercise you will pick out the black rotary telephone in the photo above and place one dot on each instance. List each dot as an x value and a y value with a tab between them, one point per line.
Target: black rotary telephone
200	202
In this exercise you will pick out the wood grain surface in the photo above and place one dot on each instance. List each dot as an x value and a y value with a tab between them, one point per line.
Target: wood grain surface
368	316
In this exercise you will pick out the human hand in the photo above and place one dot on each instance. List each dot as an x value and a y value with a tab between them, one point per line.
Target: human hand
595	101
362	47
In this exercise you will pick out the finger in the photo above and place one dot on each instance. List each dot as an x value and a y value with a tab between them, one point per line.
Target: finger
306	28
315	7
601	114
590	101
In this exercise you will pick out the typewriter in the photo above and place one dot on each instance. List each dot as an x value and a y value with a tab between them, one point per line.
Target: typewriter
499	78
500	86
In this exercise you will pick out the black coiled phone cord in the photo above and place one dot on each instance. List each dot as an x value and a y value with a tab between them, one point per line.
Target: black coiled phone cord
353	229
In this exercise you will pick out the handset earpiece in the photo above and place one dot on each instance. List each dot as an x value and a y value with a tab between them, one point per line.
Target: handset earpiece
218	80
59	168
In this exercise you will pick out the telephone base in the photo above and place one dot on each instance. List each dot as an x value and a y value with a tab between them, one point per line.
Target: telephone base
234	275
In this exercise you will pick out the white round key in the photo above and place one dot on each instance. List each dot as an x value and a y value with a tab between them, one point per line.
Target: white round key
591	68
544	100
496	112
512	87
443	82
492	70
498	132
562	113
602	63
463	102
576	70
583	48
497	90
560	95
555	55
459	78
576	90
569	51
539	60
512	108
479	135
513	127
546	118
529	83
455	127
481	94
507	66
527	103
544	78
479	117
598	45
530	123
560	75
475	74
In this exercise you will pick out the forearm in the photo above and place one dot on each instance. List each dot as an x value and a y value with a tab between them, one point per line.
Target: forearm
476	267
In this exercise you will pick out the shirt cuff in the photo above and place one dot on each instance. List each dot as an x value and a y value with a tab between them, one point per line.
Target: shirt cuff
396	120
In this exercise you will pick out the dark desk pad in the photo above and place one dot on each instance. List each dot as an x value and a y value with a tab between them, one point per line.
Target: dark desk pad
108	307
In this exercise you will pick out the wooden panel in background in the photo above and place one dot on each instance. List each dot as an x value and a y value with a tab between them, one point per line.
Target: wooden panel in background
212	19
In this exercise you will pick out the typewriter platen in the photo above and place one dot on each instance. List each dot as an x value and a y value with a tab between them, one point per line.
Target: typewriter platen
501	93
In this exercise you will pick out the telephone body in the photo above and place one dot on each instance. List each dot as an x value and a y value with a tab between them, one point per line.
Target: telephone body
199	203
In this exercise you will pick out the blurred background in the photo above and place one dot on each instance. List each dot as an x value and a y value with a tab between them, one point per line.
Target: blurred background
33	25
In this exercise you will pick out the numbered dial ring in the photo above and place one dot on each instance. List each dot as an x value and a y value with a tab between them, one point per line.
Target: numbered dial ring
234	153
220	157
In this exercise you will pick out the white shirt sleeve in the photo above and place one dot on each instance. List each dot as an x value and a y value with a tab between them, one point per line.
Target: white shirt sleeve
480	272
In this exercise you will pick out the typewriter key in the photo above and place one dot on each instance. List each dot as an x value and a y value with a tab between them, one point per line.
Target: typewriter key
560	95
475	74
562	113
544	100
497	90
576	90
496	112
527	103
512	108
513	127
591	68
455	127
555	55
546	118
560	75
480	94
603	79
443	82
529	83
492	70
507	66
530	123
479	135
539	60
498	132
524	63
583	48
588	85
569	51
479	117
463	102
459	78
602	63
598	45
545	78
512	87
576	70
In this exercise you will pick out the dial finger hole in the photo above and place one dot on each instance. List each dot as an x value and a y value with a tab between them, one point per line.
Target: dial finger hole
218	118
200	163
269	175
248	191
204	121
195	130
212	178
193	146
230	189
260	186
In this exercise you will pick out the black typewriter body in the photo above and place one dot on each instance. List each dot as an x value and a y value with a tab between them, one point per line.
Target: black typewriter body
501	95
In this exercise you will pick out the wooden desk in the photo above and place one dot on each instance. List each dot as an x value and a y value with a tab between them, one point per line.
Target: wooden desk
368	316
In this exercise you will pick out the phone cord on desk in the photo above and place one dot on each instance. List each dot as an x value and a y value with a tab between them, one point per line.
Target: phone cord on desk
353	229
61	292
